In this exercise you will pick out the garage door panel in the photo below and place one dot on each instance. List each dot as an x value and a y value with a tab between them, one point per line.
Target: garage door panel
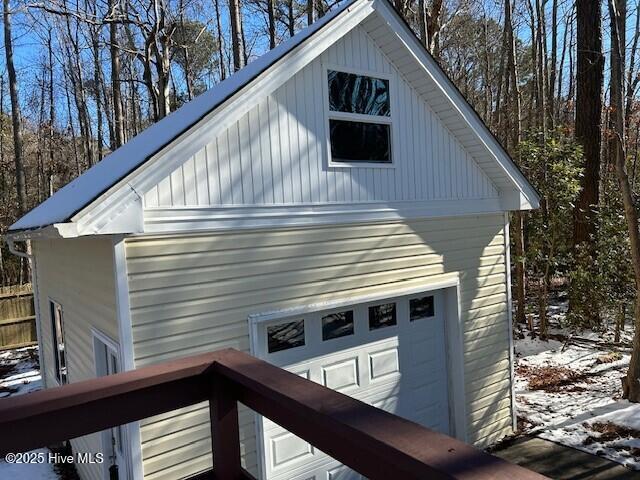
287	447
343	473
342	375
384	363
398	368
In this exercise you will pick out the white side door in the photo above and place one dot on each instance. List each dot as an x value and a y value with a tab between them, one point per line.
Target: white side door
107	361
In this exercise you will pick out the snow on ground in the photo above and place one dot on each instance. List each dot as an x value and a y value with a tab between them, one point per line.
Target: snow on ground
568	391
20	374
31	471
19	371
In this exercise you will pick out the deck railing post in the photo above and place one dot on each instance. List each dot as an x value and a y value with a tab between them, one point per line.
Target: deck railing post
225	436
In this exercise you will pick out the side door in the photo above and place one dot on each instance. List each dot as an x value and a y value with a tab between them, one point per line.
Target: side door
107	361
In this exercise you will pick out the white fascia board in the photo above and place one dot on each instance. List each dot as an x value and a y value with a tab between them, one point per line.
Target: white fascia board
458	102
55	231
121	213
190	219
512	200
95	218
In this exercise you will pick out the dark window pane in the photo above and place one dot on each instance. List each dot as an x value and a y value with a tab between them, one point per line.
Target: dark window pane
358	94
382	316
337	325
59	354
285	335
360	141
421	308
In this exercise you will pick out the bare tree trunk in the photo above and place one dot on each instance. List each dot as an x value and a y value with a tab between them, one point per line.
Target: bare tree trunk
40	138
433	27
271	13
588	132
237	45
72	130
552	66
291	20
620	322
223	71
114	53
631	383
310	8
422	23
541	65
52	119
97	81
516	137
632	77
589	78
21	189
562	58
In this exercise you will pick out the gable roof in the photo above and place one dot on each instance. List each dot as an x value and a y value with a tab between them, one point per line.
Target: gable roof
69	202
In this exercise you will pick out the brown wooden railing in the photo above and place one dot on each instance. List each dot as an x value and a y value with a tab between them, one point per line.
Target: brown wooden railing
375	443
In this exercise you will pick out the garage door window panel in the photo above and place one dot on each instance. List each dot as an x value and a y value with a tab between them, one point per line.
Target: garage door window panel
421	308
382	316
338	324
284	336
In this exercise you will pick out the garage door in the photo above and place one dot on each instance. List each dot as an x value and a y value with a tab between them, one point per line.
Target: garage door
389	353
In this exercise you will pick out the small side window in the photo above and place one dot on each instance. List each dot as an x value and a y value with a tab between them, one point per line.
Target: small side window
59	353
284	336
381	316
420	308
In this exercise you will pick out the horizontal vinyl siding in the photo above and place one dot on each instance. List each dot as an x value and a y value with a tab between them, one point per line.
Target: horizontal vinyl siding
277	152
193	294
78	274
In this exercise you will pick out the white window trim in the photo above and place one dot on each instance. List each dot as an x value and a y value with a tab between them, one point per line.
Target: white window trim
358	117
108	342
56	381
114	347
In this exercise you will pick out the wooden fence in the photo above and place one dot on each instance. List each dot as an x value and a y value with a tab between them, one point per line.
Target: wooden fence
17	317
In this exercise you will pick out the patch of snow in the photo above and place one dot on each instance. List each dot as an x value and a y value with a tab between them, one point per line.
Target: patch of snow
566	415
627	415
23	377
30	471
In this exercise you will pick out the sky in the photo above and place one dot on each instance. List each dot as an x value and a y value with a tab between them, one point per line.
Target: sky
29	52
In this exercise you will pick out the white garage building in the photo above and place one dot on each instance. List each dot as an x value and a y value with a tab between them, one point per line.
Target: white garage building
336	208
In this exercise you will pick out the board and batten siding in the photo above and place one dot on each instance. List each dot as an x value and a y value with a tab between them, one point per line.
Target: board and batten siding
192	294
78	274
277	152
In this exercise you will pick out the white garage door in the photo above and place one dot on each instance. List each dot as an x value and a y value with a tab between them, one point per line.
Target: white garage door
390	354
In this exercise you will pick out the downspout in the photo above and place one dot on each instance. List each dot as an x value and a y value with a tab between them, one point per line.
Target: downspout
12	248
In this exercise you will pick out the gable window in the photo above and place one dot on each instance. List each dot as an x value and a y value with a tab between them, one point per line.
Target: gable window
59	353
359	118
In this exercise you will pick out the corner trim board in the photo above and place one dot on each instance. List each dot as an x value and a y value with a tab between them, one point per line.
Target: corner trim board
507	259
125	334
